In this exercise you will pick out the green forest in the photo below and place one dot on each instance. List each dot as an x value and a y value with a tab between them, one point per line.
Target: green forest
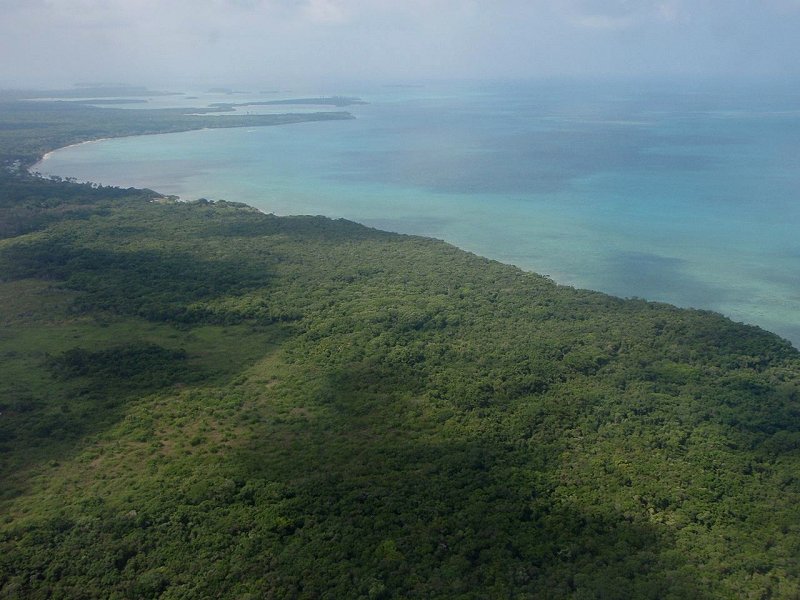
198	400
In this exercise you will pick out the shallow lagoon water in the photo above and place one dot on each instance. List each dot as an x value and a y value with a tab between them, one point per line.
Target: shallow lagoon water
688	194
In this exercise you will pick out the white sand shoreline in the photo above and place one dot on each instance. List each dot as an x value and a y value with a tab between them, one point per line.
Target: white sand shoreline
47	155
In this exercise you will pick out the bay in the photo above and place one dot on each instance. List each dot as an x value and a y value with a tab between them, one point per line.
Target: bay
681	192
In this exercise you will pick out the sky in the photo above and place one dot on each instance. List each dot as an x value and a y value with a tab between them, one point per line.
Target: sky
51	43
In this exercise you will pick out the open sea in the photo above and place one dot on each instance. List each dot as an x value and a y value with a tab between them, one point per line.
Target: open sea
687	193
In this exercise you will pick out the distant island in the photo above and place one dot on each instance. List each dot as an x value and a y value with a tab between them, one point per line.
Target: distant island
224	90
340	101
108	101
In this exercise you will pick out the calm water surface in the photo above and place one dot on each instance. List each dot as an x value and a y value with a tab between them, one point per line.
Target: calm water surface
688	194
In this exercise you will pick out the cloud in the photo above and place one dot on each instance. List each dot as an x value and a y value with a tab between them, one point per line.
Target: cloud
786	5
668	11
614	15
325	11
602	21
277	40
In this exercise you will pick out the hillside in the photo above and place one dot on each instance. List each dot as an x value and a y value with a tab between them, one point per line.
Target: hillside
200	400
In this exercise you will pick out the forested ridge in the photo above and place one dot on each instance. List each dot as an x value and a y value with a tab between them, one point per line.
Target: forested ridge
201	400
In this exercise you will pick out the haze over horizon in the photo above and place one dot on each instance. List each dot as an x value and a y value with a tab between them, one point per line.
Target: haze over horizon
48	43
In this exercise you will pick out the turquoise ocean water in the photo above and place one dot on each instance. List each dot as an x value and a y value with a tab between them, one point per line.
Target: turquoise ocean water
676	192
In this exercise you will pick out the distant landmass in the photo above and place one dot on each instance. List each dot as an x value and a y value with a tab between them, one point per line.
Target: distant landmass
84	92
109	101
29	130
329	101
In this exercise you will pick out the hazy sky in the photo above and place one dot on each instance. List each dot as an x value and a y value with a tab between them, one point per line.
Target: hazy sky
278	42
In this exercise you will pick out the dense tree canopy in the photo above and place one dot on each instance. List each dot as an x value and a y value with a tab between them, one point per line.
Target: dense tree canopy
200	400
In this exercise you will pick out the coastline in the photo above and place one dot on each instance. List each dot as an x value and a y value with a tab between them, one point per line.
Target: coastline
177	197
47	154
28	146
273	120
306	328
